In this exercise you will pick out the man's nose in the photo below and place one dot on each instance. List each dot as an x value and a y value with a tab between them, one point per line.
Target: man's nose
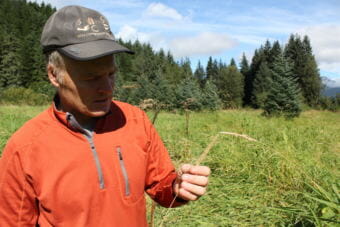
106	85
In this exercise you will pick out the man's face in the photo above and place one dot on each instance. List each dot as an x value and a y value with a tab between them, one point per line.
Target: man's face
86	87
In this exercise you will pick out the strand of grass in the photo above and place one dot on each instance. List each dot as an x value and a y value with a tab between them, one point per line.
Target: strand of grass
198	162
206	151
239	135
203	156
316	219
187	116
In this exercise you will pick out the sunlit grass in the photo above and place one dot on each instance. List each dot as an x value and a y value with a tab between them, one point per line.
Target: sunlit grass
289	177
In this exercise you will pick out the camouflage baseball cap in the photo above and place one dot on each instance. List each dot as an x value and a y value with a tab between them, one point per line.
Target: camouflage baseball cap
80	33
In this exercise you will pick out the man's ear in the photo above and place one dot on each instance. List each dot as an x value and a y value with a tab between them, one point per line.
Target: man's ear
52	75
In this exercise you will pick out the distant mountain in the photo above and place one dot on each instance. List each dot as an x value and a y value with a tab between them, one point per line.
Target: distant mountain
330	87
331	91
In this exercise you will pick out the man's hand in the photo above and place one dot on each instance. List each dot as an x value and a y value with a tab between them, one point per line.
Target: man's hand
192	183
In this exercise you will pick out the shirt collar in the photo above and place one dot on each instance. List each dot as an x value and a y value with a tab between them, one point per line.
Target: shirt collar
113	120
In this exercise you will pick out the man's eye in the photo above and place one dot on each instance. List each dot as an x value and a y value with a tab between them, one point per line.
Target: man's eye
91	78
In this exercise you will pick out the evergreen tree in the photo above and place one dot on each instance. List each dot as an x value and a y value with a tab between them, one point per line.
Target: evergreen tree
283	97
311	80
266	50
200	74
188	95
245	70
249	77
210	98
38	72
232	62
244	65
275	52
143	89
27	59
21	58
10	65
120	92
125	64
262	84
304	68
186	71
212	69
230	87
163	92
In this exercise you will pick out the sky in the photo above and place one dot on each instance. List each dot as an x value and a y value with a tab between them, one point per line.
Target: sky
224	29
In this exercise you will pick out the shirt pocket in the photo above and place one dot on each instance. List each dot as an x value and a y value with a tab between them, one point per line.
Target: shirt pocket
124	173
131	171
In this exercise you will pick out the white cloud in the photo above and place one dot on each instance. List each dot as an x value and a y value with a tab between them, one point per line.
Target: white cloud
326	45
337	82
161	10
129	33
332	82
206	43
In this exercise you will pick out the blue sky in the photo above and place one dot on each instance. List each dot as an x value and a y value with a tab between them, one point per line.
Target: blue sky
224	29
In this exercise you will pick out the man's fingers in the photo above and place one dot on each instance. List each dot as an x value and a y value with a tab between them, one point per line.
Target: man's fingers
186	168
195	179
184	194
192	182
196	170
193	189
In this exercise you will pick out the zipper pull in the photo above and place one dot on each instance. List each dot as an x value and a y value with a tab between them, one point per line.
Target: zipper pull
120	154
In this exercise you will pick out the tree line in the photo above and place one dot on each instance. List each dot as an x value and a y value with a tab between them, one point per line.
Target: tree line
278	78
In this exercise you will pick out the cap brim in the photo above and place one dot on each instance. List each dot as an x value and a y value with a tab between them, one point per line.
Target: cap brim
92	50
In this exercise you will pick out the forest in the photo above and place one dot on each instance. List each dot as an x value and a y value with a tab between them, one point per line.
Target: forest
280	78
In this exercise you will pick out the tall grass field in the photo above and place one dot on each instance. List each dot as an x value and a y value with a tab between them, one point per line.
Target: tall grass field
289	176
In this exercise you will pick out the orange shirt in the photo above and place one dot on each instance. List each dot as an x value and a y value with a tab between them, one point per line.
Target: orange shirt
54	174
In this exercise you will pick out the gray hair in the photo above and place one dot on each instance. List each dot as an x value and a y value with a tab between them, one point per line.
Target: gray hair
55	59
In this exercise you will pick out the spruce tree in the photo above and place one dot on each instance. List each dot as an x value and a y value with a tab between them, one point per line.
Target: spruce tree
311	80
200	74
143	89
275	52
244	65
266	49
304	68
185	66
250	76
212	69
245	70
210	98
10	65
283	97
163	92
230	86
188	95
232	62
262	84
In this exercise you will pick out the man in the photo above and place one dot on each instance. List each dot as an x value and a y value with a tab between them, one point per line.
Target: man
87	160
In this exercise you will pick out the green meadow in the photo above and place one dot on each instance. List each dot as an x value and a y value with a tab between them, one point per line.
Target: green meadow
289	176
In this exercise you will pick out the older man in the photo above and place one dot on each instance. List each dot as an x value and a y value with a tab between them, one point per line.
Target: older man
87	160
